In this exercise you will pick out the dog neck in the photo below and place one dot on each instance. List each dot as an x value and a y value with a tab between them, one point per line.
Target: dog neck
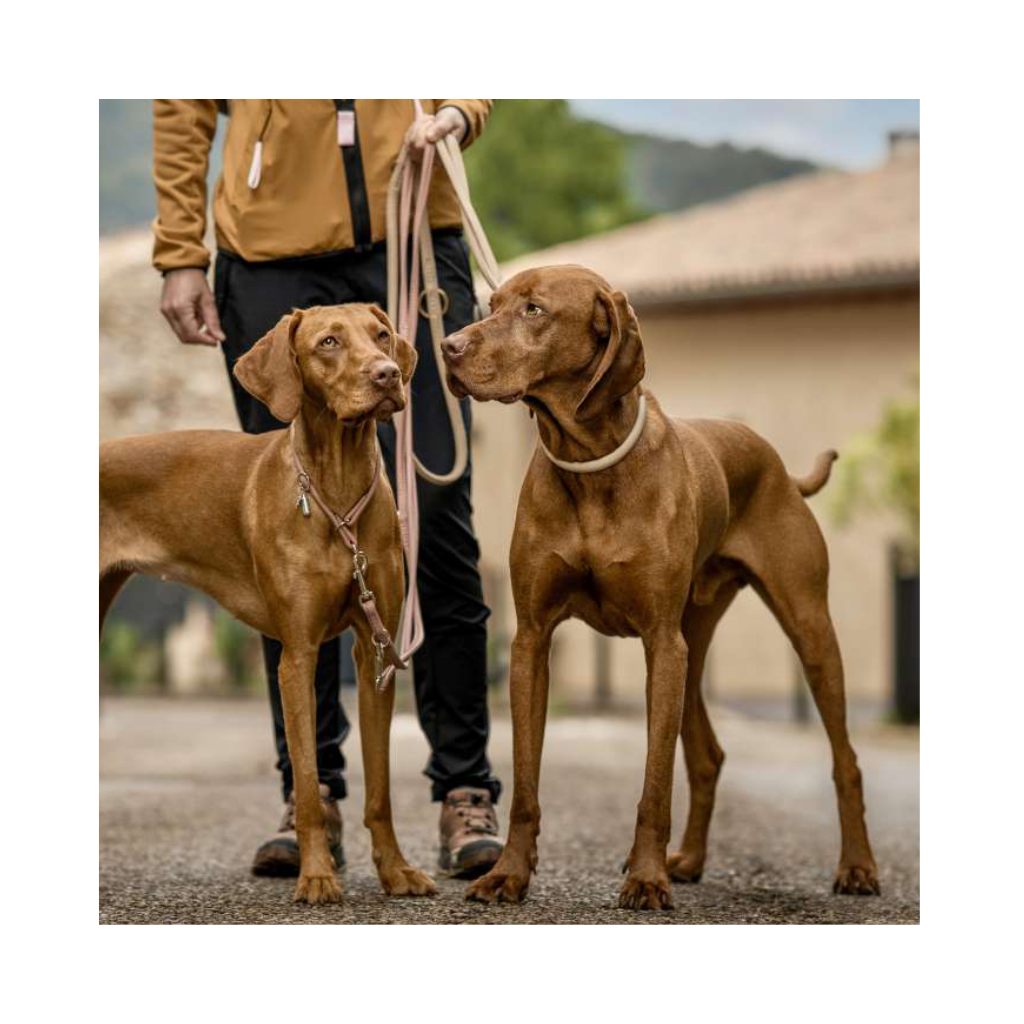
570	440
339	458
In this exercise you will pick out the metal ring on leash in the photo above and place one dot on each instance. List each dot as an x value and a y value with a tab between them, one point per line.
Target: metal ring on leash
425	313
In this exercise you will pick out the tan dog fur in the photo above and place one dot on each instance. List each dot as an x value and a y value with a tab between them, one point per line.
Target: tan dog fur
656	547
217	510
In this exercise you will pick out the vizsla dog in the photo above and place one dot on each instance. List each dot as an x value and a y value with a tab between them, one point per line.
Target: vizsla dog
230	514
653	541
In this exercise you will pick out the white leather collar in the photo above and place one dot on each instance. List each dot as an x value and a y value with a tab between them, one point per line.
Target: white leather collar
612	458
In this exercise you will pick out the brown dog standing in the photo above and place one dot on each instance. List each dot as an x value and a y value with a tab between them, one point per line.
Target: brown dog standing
656	546
217	510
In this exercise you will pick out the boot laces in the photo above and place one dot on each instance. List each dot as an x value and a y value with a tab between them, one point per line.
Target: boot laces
476	813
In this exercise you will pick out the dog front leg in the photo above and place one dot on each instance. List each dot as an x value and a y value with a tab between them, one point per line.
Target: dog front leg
397	877
509	879
317	881
647	883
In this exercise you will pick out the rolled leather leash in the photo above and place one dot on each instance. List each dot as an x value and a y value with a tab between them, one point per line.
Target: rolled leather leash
410	248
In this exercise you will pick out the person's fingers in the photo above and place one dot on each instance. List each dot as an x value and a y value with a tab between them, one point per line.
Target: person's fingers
438	129
419	138
172	318
191	329
431	129
446	122
211	321
173	315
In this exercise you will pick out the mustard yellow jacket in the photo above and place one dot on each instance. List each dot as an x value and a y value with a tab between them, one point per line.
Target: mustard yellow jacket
312	195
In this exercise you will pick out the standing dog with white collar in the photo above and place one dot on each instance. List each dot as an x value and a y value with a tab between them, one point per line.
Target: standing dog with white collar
642	525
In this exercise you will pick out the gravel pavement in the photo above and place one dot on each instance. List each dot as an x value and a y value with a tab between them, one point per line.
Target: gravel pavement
188	790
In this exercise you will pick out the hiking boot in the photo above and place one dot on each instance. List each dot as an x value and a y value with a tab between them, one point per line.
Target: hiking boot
469	833
279	856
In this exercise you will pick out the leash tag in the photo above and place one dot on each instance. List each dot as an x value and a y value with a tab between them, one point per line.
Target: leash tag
303	503
346	127
378	664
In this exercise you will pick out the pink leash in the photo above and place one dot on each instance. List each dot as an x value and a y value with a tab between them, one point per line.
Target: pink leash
410	223
409	243
410	248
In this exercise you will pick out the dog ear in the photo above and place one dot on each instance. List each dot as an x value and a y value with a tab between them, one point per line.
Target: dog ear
622	364
401	351
406	357
268	371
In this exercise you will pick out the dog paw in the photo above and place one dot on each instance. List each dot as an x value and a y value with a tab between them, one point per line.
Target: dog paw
646	894
316	889
857	881
407	881
499	886
682	867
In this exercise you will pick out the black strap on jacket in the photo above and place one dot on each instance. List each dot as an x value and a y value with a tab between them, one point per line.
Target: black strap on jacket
352	158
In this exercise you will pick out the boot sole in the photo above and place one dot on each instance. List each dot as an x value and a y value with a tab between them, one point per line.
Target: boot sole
474	859
283	862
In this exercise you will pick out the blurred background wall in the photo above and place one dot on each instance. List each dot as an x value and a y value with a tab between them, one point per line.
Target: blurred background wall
778	288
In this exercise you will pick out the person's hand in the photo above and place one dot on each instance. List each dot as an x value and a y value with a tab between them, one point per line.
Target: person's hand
188	305
433	128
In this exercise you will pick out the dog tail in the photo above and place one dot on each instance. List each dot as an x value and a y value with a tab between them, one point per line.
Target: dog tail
818	477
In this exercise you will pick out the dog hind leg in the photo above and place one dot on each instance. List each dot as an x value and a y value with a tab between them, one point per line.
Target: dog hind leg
701	750
796	591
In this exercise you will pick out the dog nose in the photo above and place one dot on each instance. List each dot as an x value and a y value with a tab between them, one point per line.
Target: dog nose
385	374
455	345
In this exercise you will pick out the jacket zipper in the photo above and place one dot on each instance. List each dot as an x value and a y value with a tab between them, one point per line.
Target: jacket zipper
256	167
351	157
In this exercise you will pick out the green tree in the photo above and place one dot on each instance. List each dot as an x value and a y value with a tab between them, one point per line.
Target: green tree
882	470
540	175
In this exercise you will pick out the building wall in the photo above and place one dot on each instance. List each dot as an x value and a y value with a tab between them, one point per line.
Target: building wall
807	377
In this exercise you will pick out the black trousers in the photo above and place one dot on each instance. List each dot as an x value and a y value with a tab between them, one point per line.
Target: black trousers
450	669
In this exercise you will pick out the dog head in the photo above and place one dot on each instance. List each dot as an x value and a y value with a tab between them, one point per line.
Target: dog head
345	358
554	330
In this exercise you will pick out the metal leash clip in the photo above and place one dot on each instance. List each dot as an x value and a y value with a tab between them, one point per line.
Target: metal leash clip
360	566
303	499
378	664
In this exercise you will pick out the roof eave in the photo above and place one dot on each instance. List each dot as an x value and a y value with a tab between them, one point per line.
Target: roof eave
875	281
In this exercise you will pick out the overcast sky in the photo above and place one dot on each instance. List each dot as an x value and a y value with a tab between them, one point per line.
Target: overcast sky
841	133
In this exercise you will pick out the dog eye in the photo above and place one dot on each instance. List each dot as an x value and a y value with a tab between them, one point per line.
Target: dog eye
329	342
383	336
532	310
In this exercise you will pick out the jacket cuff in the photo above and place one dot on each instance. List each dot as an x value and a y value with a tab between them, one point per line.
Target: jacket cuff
171	256
474	112
164	271
468	132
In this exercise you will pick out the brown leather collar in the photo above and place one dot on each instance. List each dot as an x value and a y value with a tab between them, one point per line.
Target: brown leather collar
383	645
